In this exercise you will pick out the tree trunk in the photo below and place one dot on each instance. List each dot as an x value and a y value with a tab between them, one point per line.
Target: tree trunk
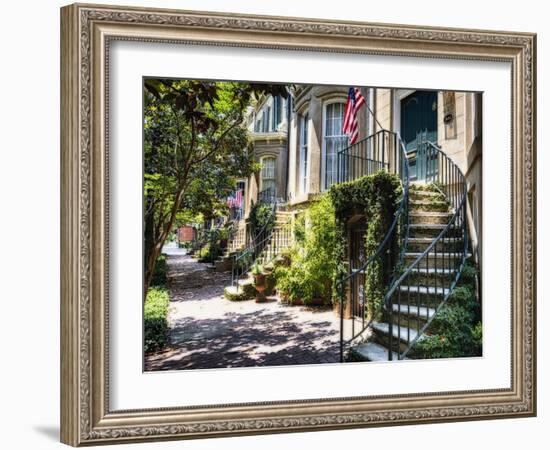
153	243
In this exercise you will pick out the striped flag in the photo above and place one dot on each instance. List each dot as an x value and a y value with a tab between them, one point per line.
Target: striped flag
235	200
239	198
351	125
230	201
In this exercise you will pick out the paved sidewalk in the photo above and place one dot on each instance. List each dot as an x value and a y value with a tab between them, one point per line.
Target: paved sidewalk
209	331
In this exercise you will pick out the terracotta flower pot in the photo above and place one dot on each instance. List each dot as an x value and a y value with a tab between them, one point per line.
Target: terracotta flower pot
260	285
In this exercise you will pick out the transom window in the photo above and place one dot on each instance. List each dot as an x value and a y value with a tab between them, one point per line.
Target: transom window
334	141
304	141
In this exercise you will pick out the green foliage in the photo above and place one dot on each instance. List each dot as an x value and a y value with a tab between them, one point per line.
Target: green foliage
376	197
261	217
313	258
155	319
456	330
159	275
270	282
477	338
210	252
257	269
195	147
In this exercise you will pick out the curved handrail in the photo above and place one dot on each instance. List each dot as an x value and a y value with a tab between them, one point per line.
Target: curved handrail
451	181
401	215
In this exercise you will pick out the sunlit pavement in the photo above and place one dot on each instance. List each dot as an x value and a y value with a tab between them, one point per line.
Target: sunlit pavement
209	331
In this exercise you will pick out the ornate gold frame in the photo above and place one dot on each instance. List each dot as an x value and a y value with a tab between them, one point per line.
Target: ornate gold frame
86	31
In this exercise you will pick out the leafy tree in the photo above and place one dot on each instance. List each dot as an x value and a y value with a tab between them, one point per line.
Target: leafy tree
196	145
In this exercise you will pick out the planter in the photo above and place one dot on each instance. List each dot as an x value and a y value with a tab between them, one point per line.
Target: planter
261	286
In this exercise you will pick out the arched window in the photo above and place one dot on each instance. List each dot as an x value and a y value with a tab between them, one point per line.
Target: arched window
268	184
334	140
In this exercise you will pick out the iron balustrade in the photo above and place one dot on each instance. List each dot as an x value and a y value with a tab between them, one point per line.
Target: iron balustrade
422	289
381	151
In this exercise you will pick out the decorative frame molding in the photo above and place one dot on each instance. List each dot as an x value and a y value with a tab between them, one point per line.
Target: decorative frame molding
86	31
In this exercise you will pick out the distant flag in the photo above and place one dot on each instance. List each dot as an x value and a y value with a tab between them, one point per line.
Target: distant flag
239	198
230	201
235	200
351	126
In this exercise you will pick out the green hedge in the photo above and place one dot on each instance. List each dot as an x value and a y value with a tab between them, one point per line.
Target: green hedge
155	319
159	274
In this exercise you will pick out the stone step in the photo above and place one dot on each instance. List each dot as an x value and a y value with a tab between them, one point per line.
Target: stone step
414	317
419	244
416	311
430	276
432	230
426	195
428	205
419	296
401	335
423	290
443	259
426	217
246	281
371	351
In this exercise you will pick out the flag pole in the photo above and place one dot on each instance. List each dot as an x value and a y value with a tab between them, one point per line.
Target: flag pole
374	117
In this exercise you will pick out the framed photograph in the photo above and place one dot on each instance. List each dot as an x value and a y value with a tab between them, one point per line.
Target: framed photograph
276	224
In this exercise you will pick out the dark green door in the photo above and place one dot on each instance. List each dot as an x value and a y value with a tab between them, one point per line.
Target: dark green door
419	124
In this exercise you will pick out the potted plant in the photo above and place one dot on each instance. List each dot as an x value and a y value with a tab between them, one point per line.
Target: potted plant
259	282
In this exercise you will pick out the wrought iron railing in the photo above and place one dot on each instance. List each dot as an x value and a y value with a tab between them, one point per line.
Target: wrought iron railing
244	260
422	158
268	196
418	293
380	151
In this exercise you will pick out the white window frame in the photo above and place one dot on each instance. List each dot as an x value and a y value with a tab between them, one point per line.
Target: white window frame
303	147
326	104
262	161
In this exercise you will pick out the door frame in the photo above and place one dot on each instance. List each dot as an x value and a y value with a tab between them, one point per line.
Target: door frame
400	94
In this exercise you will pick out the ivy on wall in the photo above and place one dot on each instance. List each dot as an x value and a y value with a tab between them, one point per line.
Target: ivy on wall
376	198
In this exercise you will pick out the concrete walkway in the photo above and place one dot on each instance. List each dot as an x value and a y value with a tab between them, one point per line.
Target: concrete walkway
209	331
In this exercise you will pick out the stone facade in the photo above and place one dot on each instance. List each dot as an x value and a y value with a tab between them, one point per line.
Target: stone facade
302	141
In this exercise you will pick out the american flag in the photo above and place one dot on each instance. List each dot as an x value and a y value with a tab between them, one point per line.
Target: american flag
351	126
235	201
239	198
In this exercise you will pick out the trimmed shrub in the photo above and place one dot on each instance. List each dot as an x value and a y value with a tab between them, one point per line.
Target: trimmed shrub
159	274
155	314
